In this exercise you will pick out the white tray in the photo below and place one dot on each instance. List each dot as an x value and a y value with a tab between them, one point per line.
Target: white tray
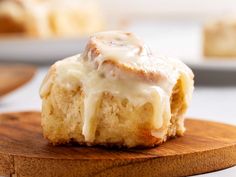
39	50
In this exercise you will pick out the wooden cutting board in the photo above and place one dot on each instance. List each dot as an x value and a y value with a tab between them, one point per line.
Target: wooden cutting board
206	146
14	76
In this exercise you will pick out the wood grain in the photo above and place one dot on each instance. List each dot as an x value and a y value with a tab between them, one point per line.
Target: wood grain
14	76
206	146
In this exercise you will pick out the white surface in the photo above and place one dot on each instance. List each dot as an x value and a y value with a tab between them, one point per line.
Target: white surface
39	50
217	104
197	9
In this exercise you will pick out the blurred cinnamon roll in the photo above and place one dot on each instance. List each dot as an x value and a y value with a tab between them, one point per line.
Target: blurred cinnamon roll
115	93
49	18
219	38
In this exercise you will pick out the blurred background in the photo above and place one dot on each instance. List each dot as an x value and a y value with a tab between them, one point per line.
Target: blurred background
202	33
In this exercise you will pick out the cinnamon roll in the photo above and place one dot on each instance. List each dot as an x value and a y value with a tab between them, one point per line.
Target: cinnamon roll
49	18
116	93
219	38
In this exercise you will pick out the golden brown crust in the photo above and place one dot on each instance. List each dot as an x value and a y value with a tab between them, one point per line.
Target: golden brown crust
147	143
9	25
148	139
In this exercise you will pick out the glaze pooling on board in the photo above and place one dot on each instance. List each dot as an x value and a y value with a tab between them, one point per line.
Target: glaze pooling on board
90	72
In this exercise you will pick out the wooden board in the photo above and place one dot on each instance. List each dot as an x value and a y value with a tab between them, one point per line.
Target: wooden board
14	76
206	146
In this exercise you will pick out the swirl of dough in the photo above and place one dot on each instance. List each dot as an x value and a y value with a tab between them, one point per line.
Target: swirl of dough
123	55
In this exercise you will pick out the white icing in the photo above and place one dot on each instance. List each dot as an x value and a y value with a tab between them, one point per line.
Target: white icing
80	71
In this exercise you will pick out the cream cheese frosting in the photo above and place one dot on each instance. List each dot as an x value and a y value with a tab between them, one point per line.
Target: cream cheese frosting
121	64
